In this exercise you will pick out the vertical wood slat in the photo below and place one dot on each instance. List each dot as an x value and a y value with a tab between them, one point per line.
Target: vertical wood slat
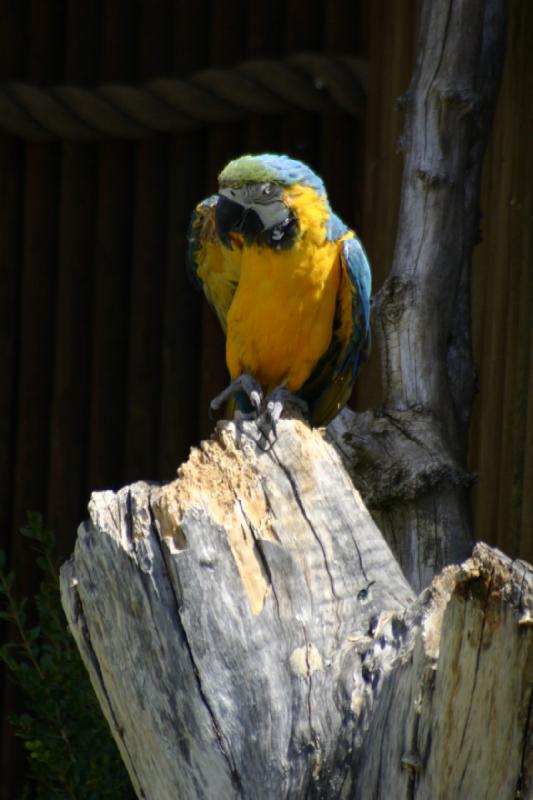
525	520
70	387
181	343
13	49
67	490
37	301
515	537
523	511
111	285
503	309
145	317
491	357
35	346
13	46
340	134
148	260
227	47
110	300
515	338
391	43
300	130
361	43
264	39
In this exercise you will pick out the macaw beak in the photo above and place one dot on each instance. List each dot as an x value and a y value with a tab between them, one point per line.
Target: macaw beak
233	217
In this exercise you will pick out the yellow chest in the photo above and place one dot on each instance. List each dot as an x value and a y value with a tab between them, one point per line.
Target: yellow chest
281	318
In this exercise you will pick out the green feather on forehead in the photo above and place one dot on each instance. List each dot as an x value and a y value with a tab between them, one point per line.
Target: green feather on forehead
269	168
247	169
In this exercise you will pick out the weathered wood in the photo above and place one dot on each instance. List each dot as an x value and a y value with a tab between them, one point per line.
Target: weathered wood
455	712
422	314
249	634
411	483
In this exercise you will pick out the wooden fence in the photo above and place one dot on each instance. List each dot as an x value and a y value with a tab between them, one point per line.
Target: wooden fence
108	357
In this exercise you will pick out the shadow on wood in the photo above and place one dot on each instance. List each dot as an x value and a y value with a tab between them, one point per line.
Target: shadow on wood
250	634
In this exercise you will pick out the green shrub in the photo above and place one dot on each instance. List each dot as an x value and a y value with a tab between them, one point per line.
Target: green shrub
71	753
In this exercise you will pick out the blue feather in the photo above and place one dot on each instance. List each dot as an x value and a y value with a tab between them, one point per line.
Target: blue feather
335	228
290	171
359	273
330	384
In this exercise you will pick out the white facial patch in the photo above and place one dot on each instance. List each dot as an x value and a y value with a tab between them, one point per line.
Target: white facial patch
264	199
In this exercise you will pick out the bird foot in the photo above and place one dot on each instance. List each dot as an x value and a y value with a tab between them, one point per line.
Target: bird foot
244	383
277	400
267	412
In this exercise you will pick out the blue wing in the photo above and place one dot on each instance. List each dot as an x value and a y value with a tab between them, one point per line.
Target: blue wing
330	384
356	271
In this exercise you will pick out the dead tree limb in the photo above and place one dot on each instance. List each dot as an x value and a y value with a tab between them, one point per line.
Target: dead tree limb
422	314
249	634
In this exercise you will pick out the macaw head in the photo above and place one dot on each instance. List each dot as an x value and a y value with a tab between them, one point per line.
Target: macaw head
252	199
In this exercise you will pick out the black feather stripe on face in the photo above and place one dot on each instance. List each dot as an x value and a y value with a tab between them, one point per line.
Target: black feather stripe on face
282	236
232	216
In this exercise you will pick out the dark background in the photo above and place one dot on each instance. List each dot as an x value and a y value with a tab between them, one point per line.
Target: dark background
108	357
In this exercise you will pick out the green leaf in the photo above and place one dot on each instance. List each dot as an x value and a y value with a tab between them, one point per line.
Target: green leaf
41	563
34	634
7	582
60	705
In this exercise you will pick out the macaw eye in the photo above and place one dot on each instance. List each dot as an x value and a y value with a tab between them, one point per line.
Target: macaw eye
267	190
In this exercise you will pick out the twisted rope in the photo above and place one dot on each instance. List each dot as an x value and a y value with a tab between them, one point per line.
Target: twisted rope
307	81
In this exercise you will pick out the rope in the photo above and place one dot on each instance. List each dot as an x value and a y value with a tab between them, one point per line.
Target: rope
307	81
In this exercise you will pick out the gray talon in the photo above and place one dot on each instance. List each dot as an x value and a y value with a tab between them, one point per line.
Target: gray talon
266	414
244	383
267	422
256	400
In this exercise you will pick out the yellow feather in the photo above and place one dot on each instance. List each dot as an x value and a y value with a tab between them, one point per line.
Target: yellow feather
281	319
277	307
219	267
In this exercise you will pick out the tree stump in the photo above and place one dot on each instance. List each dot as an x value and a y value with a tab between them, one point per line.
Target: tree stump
249	634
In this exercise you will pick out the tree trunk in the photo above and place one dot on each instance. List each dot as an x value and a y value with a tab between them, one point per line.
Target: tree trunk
249	634
415	449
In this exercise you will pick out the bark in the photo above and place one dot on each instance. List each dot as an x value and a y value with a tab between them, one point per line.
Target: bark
422	314
249	634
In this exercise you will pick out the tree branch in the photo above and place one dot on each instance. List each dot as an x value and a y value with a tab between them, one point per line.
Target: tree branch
422	313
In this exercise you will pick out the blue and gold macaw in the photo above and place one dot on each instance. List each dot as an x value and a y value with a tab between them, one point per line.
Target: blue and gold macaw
290	284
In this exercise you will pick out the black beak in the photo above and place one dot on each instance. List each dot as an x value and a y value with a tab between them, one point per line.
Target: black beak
231	216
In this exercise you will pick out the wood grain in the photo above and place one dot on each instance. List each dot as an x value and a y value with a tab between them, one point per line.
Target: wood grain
249	635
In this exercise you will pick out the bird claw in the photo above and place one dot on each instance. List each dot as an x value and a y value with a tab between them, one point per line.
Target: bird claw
267	422
244	383
266	413
256	399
